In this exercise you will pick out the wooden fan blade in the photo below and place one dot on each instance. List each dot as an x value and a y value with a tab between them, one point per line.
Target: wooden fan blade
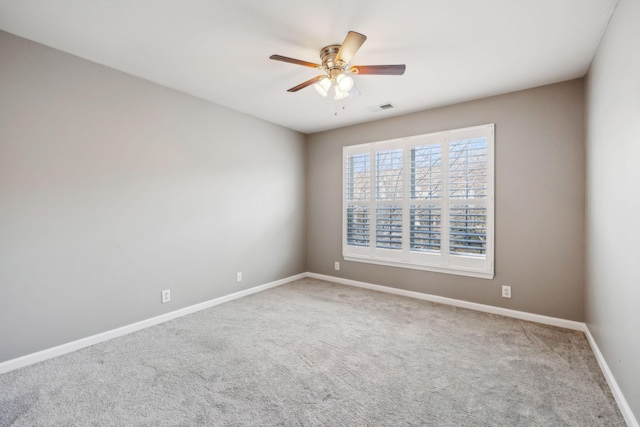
305	84
350	46
294	61
389	70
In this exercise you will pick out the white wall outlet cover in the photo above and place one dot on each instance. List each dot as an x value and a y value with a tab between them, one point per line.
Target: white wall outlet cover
238	277
506	291
166	295
337	265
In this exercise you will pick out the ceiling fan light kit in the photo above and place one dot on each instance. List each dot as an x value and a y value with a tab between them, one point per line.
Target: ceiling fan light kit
335	65
323	86
344	82
340	94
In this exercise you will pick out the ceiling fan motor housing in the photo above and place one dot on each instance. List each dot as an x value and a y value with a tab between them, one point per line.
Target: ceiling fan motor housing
328	55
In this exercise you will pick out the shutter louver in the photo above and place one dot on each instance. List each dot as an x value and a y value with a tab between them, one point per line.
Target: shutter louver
468	230
389	227
358	226
389	175
425	228
358	177
426	172
468	169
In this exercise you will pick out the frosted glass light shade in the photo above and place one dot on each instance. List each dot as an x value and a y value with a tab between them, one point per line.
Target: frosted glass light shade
340	94
322	86
344	82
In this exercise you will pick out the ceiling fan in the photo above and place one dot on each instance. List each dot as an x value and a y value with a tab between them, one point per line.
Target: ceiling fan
335	65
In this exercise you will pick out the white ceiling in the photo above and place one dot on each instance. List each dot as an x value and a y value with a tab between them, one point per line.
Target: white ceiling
455	50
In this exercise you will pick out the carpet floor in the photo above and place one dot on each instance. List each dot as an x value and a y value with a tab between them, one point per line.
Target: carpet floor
313	353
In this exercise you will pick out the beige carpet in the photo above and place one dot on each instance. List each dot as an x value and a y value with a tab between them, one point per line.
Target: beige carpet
314	353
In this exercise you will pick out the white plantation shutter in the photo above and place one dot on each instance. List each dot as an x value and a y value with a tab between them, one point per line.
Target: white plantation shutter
468	230
425	192
468	168
389	175
357	194
389	227
422	202
467	182
426	228
358	226
389	196
470	199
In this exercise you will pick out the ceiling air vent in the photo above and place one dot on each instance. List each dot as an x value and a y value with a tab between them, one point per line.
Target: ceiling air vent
381	107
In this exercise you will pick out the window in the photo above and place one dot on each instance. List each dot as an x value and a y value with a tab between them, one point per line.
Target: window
423	202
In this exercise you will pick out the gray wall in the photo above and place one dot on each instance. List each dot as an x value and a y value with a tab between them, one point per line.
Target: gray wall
539	200
613	199
113	188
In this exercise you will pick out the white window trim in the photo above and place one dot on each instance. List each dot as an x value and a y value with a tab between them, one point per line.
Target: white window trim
443	262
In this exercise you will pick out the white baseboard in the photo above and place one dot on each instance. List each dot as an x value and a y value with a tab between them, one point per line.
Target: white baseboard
49	353
613	384
538	318
553	321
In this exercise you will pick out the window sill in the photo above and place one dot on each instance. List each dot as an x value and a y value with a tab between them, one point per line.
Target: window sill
446	270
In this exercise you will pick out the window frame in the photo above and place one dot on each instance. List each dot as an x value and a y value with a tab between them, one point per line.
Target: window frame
444	261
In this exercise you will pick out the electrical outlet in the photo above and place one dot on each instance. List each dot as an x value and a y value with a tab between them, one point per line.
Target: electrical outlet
238	277
337	266
506	292
166	295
